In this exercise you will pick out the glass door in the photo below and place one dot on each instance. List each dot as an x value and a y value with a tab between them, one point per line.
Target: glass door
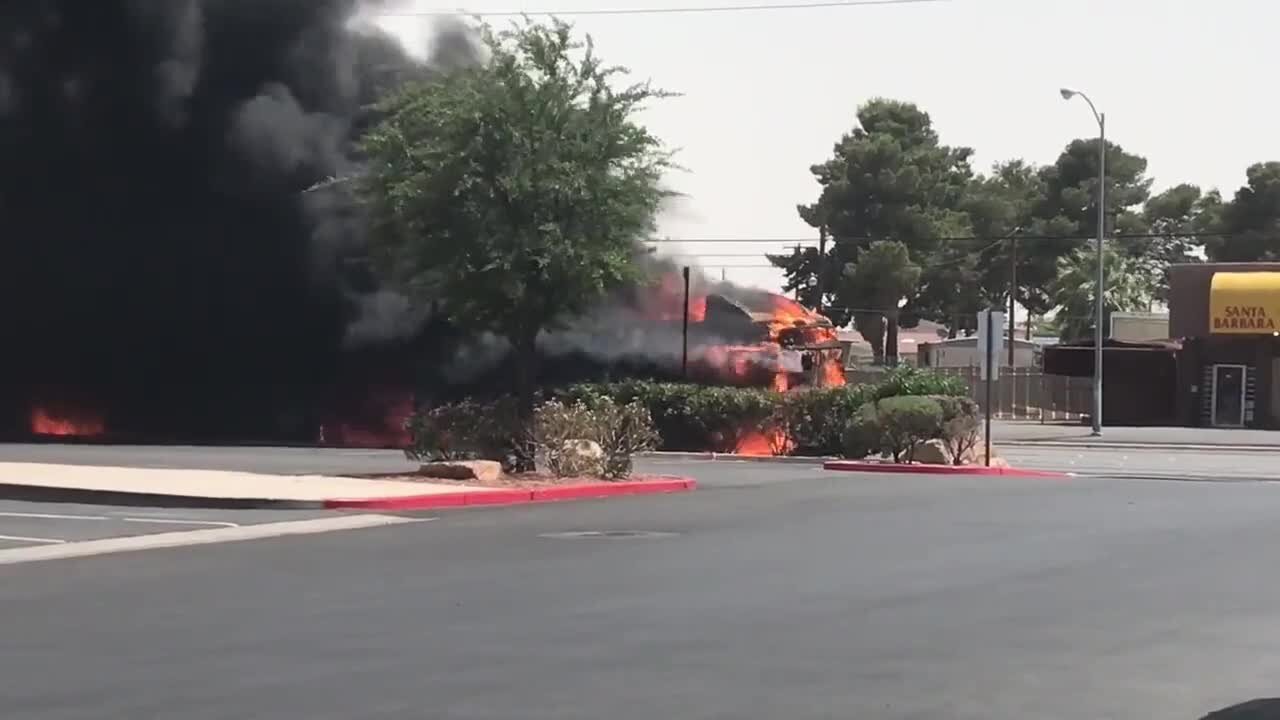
1228	396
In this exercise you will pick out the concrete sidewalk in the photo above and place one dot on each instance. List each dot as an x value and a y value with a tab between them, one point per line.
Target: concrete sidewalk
202	488
167	487
1014	433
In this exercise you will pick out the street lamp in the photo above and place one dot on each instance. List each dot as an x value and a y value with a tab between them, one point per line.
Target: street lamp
1102	228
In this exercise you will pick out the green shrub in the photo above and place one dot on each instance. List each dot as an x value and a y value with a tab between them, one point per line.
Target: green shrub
914	381
961	427
815	419
726	415
620	430
687	416
907	420
691	417
623	431
556	425
466	430
893	426
863	434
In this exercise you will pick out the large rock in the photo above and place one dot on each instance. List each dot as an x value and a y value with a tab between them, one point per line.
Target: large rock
581	458
479	471
932	452
936	452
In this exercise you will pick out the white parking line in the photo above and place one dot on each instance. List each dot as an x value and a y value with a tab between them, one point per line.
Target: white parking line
206	536
208	523
159	521
42	541
51	516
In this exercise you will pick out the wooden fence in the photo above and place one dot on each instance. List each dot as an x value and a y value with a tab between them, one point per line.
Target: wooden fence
1019	393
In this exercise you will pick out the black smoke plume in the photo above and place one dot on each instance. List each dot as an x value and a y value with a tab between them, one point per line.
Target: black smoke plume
159	258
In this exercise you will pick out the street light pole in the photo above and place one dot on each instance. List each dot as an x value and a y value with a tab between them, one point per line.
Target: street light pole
1099	309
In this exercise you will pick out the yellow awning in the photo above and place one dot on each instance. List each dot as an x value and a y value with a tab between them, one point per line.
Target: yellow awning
1244	303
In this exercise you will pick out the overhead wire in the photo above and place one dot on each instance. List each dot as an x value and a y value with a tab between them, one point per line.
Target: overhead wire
684	9
945	238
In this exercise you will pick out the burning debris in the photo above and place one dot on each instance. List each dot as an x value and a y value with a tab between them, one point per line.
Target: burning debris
750	337
64	422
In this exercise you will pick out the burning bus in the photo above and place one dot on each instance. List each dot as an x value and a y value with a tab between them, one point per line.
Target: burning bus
736	336
772	342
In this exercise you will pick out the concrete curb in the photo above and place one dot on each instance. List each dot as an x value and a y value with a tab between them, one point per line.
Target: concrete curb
1176	447
462	498
515	496
922	469
733	457
91	496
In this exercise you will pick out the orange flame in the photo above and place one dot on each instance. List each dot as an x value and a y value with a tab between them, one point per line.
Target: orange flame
763	444
378	424
758	365
47	421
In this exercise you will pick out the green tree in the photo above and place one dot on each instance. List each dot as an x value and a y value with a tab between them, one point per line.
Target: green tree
511	194
1129	286
1251	221
1071	189
1067	217
883	277
1177	218
890	178
1000	208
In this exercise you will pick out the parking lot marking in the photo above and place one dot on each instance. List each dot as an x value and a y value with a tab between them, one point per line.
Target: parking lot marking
204	536
100	518
165	521
52	516
43	541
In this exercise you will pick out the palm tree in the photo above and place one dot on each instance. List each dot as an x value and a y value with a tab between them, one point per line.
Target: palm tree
1131	284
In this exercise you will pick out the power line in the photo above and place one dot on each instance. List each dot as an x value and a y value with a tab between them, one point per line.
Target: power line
811	5
792	242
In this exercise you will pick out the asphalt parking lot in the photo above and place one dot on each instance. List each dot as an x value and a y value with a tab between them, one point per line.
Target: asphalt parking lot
24	524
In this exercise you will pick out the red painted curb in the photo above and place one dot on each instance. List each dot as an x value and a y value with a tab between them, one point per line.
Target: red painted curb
923	469
514	496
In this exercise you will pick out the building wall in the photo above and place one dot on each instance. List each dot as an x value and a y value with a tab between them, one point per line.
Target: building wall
965	354
1139	327
1189	294
1189	304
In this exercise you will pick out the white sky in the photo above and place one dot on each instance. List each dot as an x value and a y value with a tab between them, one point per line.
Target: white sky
1185	83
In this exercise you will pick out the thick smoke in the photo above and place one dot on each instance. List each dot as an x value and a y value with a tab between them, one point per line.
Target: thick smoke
159	255
638	328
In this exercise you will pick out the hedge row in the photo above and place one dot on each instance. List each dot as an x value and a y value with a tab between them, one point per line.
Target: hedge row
625	417
700	418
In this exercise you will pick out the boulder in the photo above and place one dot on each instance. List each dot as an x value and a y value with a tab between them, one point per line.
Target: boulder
581	458
936	452
932	452
480	471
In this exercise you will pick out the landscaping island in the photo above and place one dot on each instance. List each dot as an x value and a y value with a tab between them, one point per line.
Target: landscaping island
590	432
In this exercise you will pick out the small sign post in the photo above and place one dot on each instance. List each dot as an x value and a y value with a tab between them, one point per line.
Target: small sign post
990	341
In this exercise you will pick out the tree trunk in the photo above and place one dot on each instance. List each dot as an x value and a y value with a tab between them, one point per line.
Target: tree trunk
526	373
891	340
871	328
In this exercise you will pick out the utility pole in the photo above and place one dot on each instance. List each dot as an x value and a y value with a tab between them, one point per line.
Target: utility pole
1013	293
684	339
798	283
1099	309
822	264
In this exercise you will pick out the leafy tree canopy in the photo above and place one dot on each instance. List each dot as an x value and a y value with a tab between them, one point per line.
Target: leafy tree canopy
511	194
